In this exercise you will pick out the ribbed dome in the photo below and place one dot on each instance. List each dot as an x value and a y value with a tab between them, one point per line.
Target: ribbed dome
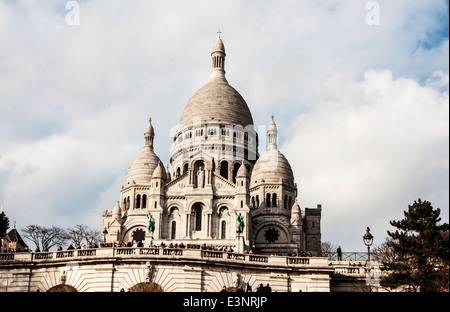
271	166
142	168
216	102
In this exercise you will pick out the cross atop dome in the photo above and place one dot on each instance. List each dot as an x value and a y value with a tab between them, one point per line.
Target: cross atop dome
218	33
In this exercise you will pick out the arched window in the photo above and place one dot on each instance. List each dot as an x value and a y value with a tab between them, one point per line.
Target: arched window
223	233
138	201
274	199
253	201
285	203
257	201
174	230
178	171
128	202
224	169
185	168
268	200
144	201
235	170
290	202
198	217
125	203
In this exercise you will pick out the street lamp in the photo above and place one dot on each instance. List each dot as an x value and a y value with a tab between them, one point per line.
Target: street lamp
368	240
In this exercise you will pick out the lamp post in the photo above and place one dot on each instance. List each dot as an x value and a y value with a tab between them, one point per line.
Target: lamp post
368	240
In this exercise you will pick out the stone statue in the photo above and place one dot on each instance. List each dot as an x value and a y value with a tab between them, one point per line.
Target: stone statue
150	224
200	178
240	223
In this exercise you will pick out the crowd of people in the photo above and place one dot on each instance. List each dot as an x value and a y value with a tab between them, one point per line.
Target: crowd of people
247	288
204	246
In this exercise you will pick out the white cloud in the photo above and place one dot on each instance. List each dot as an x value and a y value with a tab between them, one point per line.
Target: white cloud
351	100
371	150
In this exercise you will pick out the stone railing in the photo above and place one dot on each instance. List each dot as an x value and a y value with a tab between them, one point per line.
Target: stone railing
358	270
142	252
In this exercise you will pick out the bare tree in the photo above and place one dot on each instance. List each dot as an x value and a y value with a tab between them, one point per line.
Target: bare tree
92	237
77	234
45	237
81	232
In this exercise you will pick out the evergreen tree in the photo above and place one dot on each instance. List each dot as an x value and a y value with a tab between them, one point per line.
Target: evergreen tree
419	249
4	224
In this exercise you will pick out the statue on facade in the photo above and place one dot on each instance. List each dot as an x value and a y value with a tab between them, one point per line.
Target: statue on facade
200	177
150	224
240	223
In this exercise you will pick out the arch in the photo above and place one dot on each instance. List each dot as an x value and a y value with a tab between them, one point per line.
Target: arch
197	208
223	229
268	200
138	201
62	288
274	199
131	229
173	232
144	201
146	287
260	231
224	169
185	167
235	170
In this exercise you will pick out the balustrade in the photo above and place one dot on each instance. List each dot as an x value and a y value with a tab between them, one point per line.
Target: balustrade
131	252
298	260
6	256
255	258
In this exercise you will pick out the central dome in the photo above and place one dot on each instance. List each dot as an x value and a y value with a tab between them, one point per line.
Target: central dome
217	102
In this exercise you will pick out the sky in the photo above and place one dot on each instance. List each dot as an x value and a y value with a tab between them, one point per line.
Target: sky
359	91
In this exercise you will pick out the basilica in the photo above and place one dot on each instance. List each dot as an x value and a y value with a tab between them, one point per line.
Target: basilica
218	190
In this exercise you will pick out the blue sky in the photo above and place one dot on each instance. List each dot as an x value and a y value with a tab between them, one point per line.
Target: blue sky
362	110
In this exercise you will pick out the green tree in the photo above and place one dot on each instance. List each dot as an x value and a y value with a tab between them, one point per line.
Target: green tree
419	251
4	224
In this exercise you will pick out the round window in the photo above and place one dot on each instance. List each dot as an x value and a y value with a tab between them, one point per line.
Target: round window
271	235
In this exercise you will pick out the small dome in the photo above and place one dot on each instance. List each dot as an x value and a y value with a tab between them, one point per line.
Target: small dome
142	168
218	46
295	208
116	209
271	166
149	129
158	172
242	171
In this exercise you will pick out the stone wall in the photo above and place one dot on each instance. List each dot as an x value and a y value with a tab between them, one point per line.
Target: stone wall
175	270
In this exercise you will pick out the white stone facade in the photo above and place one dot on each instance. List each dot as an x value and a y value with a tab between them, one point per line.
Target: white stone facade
216	174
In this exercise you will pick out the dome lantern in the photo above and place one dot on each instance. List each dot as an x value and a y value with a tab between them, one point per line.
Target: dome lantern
272	133
218	59
149	134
